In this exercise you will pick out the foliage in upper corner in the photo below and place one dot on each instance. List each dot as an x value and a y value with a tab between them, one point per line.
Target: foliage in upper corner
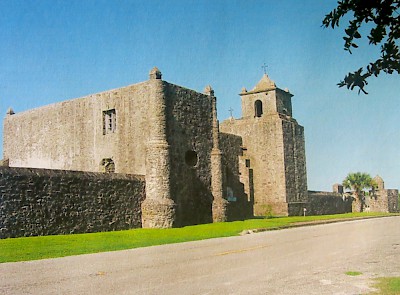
384	15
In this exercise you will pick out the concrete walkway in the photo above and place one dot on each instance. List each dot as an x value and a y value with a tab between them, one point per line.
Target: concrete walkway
303	260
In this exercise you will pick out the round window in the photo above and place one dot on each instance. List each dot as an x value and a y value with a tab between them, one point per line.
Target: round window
191	158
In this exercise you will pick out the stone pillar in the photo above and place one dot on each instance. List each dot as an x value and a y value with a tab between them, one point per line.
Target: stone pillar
158	209
219	206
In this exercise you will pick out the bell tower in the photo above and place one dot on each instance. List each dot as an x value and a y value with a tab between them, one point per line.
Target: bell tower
265	99
273	147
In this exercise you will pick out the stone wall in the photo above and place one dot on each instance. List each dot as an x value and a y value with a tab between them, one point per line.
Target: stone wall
384	200
70	135
323	203
48	202
393	200
295	160
263	150
274	148
189	135
236	177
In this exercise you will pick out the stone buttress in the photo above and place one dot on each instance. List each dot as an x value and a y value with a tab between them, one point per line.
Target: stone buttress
219	205
158	209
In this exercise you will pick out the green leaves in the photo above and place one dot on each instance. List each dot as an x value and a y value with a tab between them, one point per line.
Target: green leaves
377	34
385	16
358	182
356	79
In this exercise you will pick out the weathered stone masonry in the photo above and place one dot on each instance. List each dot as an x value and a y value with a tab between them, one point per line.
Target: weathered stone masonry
165	140
381	199
158	207
322	203
46	202
170	134
273	150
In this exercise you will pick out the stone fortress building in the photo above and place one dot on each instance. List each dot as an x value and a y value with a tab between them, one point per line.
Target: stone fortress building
170	135
158	136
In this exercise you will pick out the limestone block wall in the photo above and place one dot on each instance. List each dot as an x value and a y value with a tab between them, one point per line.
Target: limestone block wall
295	161
47	202
189	135
323	203
273	101
236	176
284	102
262	139
268	100
70	135
385	200
274	146
263	144
393	200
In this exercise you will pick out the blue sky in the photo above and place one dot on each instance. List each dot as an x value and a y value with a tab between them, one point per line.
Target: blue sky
52	51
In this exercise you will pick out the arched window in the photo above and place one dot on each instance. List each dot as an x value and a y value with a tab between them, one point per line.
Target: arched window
258	110
107	165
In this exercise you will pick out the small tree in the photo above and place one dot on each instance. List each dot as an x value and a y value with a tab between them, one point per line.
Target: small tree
358	182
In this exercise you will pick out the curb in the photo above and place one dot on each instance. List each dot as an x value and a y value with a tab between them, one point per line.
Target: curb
310	223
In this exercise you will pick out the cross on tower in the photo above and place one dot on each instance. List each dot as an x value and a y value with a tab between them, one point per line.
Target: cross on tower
230	111
264	68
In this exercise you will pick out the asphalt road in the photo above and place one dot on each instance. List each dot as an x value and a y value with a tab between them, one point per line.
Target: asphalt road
304	260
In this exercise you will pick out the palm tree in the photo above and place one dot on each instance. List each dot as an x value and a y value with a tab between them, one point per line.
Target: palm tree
358	182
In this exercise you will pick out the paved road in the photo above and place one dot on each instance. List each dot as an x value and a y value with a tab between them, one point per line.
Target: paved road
305	260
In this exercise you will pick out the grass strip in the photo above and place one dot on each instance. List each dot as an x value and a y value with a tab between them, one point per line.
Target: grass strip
388	286
33	248
353	273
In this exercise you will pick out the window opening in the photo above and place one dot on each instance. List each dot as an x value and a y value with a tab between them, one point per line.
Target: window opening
258	108
107	165
191	158
230	195
109	121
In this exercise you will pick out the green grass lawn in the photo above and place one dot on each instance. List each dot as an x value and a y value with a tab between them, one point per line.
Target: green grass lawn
32	248
388	286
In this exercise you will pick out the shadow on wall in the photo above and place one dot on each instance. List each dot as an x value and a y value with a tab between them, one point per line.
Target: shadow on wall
194	201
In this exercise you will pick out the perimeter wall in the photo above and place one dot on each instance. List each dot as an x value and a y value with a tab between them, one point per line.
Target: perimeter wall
37	202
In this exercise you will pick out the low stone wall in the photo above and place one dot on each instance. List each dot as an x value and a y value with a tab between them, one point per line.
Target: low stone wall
47	202
393	200
297	208
385	200
323	203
